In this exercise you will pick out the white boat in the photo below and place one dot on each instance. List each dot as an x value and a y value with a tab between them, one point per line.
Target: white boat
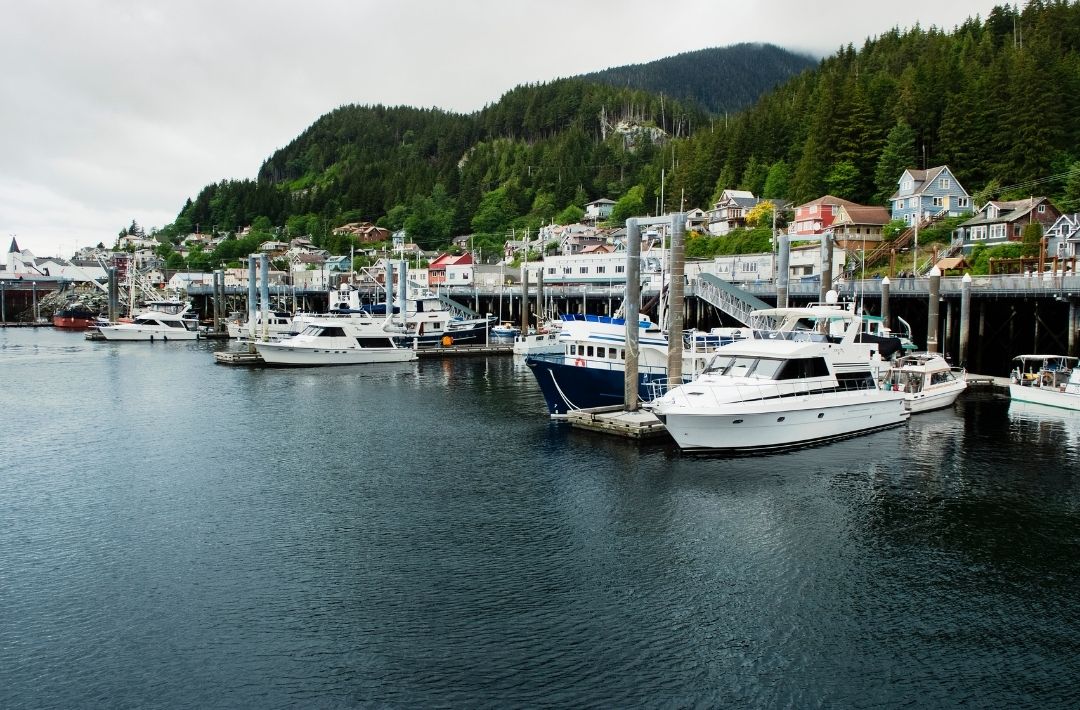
803	378
927	381
1050	380
335	341
430	319
544	341
160	320
278	324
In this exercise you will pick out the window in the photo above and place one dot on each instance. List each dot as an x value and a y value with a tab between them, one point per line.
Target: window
620	268
963	202
551	270
1042	209
939	202
945	183
566	270
601	269
813	209
997	231
589	351
978	233
583	269
612	354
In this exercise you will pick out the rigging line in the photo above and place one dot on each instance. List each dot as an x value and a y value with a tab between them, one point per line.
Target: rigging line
565	399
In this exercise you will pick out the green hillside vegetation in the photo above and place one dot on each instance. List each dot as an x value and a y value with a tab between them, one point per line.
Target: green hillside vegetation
720	79
994	98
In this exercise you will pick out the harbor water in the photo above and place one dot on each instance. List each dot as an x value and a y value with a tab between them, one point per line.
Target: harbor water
175	533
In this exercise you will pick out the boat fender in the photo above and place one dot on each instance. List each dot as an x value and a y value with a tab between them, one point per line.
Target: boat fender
580	362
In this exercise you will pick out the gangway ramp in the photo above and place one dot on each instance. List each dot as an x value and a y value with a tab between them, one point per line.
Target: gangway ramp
730	299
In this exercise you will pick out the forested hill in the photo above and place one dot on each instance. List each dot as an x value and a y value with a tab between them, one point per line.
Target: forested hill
995	98
719	79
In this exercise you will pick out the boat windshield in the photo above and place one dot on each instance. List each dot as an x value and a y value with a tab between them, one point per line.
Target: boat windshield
764	368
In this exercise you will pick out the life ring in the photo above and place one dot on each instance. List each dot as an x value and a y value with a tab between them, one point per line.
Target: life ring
580	362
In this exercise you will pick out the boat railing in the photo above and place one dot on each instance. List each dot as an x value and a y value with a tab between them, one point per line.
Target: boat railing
721	394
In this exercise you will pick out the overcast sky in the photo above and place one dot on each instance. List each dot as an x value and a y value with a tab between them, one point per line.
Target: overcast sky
116	110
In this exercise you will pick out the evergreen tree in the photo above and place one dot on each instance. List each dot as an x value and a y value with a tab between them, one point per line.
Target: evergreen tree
897	156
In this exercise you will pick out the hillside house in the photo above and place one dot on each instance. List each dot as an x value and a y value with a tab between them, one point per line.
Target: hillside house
598	210
856	226
1063	237
437	268
922	194
363	232
1002	221
730	210
816	217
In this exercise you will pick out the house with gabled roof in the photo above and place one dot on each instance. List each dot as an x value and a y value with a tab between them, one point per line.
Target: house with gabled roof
922	194
1063	237
1002	221
730	210
855	226
598	210
816	217
438	266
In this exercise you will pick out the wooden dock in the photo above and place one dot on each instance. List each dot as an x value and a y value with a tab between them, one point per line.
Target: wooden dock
251	358
615	420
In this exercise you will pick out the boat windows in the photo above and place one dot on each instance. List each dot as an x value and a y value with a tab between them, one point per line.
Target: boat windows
802	368
612	354
589	351
374	342
332	332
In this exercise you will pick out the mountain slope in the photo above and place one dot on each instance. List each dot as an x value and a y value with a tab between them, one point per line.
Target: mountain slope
720	79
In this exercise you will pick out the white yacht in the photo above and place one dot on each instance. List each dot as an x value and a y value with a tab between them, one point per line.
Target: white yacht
278	324
335	341
160	320
1050	380
927	381
804	377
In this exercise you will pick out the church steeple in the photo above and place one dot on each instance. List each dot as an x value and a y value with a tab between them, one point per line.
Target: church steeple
14	247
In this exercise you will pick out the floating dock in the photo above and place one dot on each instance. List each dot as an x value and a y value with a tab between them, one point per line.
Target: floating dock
615	420
253	359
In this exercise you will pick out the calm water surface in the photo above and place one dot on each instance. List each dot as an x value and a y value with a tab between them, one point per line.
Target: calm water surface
174	533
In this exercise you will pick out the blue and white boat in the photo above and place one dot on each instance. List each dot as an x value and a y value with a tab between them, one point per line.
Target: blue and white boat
505	330
589	369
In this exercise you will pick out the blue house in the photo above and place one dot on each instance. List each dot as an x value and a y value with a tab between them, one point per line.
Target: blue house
922	194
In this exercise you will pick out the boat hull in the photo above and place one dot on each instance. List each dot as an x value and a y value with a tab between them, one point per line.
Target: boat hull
930	400
73	322
786	422
567	387
275	353
131	332
1044	396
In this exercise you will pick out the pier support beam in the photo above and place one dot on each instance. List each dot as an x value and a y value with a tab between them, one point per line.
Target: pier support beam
539	301
965	318
1074	325
633	307
252	298
782	270
885	302
264	293
932	315
677	299
826	264
525	293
